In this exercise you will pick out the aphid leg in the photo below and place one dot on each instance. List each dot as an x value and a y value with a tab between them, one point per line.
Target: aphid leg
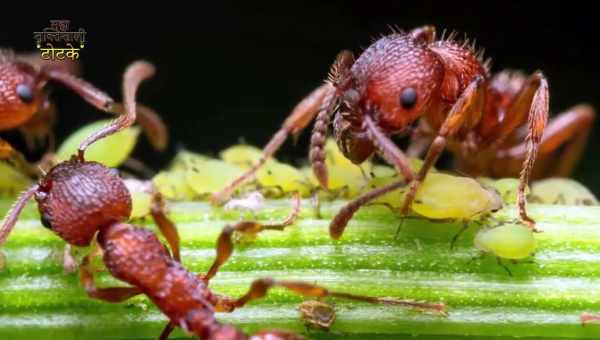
13	214
164	335
470	102
225	243
134	75
300	117
259	289
501	264
165	225
391	154
111	294
9	154
462	230
531	102
152	124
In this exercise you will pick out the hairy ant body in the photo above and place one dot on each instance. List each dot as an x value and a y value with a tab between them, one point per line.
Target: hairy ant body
25	103
84	201
402	77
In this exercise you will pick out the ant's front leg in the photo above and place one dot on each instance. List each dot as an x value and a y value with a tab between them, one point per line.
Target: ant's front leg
111	294
470	102
532	102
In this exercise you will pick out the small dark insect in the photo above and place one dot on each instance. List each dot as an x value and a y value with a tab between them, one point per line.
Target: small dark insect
25	103
85	202
494	124
317	314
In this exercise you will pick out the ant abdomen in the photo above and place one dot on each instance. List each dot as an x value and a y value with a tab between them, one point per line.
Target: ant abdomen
77	198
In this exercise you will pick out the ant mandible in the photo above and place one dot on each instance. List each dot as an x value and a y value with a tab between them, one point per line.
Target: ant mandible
85	202
404	76
25	104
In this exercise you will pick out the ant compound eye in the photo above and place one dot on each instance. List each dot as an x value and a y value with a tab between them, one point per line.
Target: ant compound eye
25	93
45	219
408	98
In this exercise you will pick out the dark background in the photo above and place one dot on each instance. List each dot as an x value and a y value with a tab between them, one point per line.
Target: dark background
235	70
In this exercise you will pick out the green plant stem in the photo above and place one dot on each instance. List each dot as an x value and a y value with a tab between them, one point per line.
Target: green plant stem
542	299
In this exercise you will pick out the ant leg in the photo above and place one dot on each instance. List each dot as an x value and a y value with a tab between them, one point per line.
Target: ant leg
69	262
134	75
259	289
164	335
153	126
165	225
531	102
225	244
13	214
9	154
391	154
37	131
470	102
301	116
112	294
570	129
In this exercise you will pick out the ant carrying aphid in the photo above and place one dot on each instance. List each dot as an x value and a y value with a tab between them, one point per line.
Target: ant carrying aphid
25	102
402	77
85	202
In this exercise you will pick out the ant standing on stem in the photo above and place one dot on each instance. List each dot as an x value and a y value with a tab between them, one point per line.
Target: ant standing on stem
84	201
402	77
25	103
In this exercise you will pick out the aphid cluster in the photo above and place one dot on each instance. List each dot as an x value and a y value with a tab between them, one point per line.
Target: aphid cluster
438	91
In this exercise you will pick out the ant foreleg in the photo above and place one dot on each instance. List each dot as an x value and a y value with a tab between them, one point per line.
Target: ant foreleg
531	102
153	126
470	102
225	243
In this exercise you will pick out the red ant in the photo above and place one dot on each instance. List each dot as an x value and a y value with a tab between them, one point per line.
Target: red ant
84	201
25	104
404	76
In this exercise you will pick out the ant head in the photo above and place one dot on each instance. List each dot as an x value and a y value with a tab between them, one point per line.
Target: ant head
20	94
76	199
398	78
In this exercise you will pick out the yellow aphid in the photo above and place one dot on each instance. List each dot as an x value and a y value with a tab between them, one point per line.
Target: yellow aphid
242	155
111	151
284	177
561	191
443	196
506	188
141	197
510	241
209	176
173	185
11	180
185	159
